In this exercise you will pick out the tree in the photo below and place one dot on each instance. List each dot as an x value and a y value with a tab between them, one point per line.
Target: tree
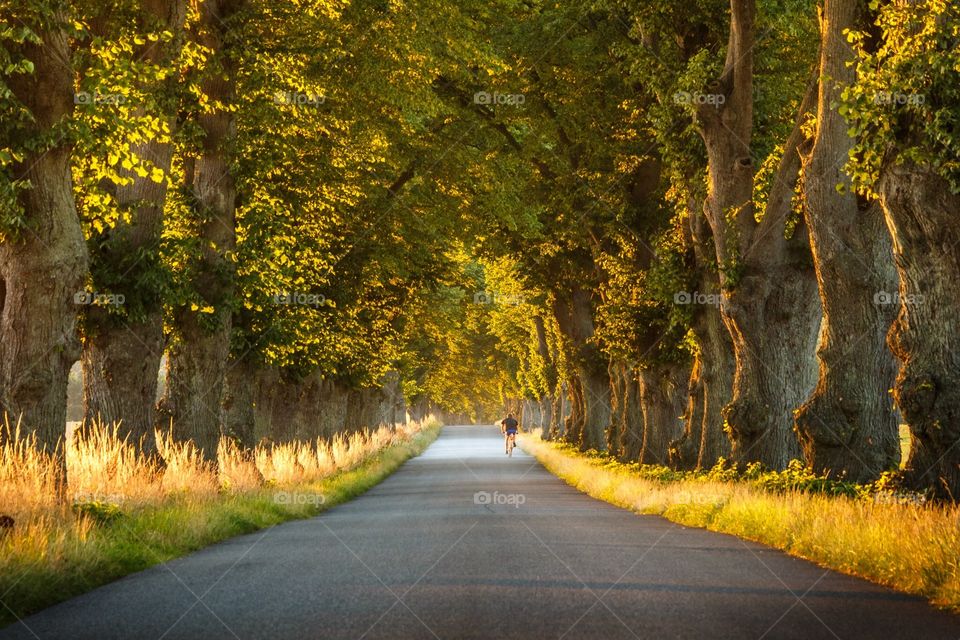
198	352
904	110
43	259
848	426
123	343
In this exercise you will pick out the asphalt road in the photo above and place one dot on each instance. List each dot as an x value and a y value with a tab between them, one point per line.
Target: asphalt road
465	543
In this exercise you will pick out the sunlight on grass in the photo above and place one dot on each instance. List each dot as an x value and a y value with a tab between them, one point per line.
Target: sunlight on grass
887	538
125	512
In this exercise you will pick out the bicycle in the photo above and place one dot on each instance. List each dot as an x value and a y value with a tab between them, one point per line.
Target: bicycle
511	443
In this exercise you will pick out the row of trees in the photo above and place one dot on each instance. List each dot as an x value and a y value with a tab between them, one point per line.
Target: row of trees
248	188
746	245
673	232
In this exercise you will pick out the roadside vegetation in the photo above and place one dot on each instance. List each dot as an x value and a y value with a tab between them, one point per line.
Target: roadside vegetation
124	512
875	531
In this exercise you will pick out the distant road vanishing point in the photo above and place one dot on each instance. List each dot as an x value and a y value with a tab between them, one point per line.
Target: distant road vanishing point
463	542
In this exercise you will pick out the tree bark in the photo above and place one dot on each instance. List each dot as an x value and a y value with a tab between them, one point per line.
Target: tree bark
618	407
921	214
198	355
362	406
121	355
770	304
685	451
631	432
662	398
43	265
848	427
591	385
711	382
240	401
718	373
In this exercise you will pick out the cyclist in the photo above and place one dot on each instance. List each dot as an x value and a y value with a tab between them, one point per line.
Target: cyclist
508	427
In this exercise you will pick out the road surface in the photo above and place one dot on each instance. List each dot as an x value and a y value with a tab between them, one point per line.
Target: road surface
465	543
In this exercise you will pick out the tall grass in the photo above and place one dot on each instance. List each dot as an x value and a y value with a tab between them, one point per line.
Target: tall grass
887	538
103	467
124	511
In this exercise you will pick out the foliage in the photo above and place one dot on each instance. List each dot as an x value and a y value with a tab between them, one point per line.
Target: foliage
904	106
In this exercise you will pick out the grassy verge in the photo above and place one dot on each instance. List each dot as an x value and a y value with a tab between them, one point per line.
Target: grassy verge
45	564
908	545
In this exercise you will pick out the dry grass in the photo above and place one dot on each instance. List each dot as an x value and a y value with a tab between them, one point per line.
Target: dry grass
124	512
104	469
908	546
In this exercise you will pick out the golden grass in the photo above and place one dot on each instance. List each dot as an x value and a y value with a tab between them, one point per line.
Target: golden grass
124	513
910	547
103	468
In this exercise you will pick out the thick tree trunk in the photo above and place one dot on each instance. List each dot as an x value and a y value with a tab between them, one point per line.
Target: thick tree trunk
573	421
121	354
662	397
618	407
921	213
770	307
631	432
718	373
776	319
711	380
557	412
239	404
546	415
362	405
42	267
547	401
685	451
121	364
848	427
198	356
591	388
392	403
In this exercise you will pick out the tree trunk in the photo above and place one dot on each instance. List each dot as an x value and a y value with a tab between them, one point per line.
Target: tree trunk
42	266
591	387
848	427
662	397
631	433
711	379
121	353
240	399
198	354
718	372
362	409
618	407
685	451
776	368
770	306
921	213
573	421
546	415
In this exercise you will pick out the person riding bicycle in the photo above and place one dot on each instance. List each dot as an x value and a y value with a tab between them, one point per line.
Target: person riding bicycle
509	427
